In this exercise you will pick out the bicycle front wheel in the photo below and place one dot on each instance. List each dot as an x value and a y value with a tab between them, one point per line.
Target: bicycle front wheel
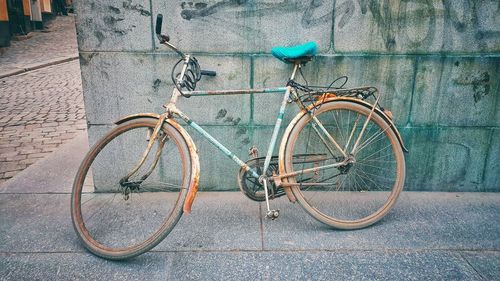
358	193
117	216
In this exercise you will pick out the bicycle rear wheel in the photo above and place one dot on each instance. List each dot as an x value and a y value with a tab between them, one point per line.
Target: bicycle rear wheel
357	194
117	218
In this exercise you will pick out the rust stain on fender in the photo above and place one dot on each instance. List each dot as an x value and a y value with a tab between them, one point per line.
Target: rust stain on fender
281	158
195	166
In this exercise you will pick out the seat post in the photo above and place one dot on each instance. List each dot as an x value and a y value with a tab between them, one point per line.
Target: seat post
295	68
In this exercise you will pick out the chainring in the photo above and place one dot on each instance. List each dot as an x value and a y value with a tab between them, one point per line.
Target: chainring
251	187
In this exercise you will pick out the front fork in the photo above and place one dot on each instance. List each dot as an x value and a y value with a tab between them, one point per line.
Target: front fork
125	182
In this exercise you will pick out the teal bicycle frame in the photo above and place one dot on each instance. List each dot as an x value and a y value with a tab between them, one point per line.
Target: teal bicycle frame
173	110
320	130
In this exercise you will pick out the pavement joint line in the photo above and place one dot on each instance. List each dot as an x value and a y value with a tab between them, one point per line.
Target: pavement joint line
272	251
39	66
398	250
473	268
34	193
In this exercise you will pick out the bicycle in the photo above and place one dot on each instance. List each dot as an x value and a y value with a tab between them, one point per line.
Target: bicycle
341	158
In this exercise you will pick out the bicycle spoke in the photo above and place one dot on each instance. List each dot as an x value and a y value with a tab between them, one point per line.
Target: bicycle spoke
334	176
342	183
376	167
339	128
329	136
364	183
352	132
101	207
370	176
93	197
368	157
379	176
371	139
377	159
356	184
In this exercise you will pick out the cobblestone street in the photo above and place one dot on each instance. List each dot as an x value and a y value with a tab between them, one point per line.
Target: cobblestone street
57	41
43	108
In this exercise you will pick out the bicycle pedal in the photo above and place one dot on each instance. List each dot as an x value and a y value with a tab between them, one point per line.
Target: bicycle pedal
273	214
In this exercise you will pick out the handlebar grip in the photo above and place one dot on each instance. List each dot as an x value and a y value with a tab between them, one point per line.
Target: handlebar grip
208	73
159	21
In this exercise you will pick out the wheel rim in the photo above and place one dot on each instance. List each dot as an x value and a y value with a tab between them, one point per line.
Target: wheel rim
360	192
109	221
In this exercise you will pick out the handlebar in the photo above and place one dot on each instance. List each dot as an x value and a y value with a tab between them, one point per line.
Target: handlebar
191	72
159	21
208	73
163	38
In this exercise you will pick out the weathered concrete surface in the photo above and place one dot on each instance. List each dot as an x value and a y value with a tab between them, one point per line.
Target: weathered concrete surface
416	26
245	26
436	63
492	170
392	75
123	82
115	83
419	221
448	159
457	92
114	25
243	265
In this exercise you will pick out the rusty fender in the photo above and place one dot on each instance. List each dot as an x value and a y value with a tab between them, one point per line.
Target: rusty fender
195	162
296	119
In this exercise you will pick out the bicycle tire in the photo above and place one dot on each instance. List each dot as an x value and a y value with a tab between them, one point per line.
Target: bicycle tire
373	186
127	226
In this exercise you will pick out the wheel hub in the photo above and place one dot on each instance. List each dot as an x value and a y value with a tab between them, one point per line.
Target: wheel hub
128	187
344	169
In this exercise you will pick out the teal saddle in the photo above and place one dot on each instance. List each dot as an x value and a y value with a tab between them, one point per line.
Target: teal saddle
297	53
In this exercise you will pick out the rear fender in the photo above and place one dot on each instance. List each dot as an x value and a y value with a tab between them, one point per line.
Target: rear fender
195	162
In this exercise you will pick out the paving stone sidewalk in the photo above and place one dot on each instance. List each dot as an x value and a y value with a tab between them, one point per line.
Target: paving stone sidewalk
56	42
427	236
42	108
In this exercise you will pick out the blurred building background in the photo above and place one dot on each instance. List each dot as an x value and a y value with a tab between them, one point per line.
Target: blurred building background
19	17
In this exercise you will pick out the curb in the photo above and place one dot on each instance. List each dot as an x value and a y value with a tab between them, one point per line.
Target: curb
37	66
55	172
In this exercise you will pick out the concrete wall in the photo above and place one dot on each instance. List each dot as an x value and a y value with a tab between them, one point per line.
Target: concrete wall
437	62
